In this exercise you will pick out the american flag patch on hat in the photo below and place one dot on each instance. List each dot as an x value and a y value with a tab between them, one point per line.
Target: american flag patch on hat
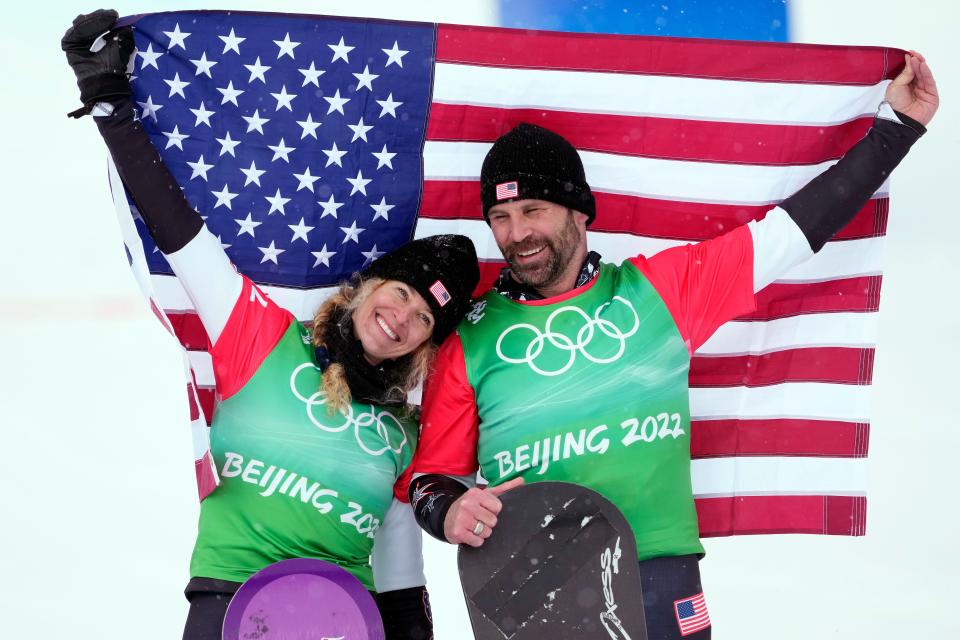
692	614
507	190
440	293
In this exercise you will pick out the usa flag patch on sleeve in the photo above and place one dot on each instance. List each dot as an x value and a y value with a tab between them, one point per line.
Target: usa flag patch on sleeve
440	293
507	190
692	614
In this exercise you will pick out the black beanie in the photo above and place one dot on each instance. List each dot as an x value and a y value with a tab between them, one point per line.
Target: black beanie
532	162
443	269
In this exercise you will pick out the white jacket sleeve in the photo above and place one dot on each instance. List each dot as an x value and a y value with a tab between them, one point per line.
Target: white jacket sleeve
211	282
398	550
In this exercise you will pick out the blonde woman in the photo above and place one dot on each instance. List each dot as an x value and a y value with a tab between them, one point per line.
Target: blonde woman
311	431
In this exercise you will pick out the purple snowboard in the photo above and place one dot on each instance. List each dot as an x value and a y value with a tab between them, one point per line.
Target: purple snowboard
561	564
302	599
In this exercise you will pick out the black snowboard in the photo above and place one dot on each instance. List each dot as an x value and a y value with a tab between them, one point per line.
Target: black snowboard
561	564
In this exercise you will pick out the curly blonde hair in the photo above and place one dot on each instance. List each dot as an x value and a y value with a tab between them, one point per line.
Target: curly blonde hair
348	297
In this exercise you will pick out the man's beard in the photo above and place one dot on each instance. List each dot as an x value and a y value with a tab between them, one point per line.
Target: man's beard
560	249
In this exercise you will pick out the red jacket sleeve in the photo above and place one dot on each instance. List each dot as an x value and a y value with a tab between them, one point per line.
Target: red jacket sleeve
448	419
704	284
253	329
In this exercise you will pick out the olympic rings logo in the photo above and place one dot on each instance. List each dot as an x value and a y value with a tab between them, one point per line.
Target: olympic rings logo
580	345
360	421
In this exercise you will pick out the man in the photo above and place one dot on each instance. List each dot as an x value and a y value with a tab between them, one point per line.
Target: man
575	370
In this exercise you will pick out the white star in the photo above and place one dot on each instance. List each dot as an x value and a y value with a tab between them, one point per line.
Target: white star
200	168
255	122
231	41
286	46
309	127
202	115
329	208
257	71
227	145
270	253
310	75
323	256
203	65
223	245
382	210
336	103
371	255
334	155
277	203
224	197
230	94
175	138
359	183
306	180
341	51
283	98
149	57
177	37
247	226
177	86
359	130
281	151
388	106
300	230
365	79
149	109
253	174
384	157
395	55
352	233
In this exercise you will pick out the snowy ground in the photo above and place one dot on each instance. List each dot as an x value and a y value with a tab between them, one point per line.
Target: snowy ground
99	502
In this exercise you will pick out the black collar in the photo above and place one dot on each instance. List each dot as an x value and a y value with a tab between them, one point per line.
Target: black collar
507	286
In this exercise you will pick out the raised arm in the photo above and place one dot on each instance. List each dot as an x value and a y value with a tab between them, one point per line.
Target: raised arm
99	56
827	204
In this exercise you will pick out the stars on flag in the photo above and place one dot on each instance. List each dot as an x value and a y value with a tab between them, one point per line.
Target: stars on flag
203	66
200	168
281	151
256	85
309	127
230	94
336	103
395	55
365	79
252	173
255	122
257	71
231	42
149	57
177	38
286	46
341	51
388	106
202	114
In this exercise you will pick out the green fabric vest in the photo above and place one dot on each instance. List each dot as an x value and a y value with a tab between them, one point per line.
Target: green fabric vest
591	390
296	481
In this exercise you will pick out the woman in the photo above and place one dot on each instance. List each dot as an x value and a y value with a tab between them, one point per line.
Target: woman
311	430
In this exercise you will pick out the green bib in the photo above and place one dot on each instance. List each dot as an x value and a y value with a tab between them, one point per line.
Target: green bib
591	390
297	481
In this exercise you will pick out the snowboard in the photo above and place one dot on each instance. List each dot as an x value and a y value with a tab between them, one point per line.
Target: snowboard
302	599
561	564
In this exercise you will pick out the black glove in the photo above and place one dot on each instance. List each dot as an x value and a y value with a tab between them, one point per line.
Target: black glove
101	75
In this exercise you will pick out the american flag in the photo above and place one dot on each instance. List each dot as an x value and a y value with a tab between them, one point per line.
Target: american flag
506	190
440	293
692	614
314	144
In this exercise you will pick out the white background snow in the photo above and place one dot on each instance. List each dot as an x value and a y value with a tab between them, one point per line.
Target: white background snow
99	503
